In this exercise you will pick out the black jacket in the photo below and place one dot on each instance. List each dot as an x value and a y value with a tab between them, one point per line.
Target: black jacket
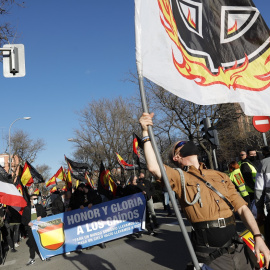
13	215
58	205
93	197
77	199
146	185
26	216
131	189
247	173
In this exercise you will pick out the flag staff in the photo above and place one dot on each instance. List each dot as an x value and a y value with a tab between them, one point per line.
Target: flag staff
155	148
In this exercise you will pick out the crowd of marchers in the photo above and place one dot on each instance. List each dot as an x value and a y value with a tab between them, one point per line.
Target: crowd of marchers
245	186
16	227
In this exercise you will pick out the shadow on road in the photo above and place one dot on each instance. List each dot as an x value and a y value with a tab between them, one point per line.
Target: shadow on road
168	248
89	261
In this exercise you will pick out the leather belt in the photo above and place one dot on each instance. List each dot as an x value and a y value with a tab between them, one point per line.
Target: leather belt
218	223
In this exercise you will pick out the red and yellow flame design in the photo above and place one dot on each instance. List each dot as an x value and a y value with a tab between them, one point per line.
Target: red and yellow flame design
254	76
190	20
232	29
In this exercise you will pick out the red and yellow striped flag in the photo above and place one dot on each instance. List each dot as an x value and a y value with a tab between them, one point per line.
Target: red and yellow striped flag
36	191
26	178
51	182
53	190
68	179
60	174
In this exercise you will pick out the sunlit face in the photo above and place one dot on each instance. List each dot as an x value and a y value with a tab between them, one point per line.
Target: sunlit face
182	161
252	153
243	155
134	181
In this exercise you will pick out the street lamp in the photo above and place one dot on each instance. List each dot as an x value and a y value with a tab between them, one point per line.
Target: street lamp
25	118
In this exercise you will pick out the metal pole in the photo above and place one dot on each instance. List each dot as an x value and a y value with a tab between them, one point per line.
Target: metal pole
9	154
166	181
153	142
208	125
264	139
215	159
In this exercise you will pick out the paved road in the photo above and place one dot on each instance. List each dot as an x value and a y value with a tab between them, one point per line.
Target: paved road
165	251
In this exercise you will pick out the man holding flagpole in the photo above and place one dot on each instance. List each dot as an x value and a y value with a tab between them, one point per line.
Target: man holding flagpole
209	200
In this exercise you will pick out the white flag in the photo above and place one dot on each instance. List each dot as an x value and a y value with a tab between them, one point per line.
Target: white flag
207	52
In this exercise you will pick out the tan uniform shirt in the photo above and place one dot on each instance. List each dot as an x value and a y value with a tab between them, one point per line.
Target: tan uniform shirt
213	207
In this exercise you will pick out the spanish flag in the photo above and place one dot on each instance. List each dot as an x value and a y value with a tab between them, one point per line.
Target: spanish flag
30	175
19	187
51	182
26	178
36	191
22	189
51	234
89	180
69	180
124	164
53	190
106	185
60	174
138	153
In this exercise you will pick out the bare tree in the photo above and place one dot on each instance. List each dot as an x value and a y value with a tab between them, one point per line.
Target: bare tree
24	147
44	170
7	31
236	133
106	127
179	119
182	119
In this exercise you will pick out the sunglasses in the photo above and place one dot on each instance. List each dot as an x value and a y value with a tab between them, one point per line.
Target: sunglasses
179	145
242	155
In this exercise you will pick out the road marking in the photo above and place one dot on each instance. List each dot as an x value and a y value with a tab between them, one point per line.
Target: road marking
262	122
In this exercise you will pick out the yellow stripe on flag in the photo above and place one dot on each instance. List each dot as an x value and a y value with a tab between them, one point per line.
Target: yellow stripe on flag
26	176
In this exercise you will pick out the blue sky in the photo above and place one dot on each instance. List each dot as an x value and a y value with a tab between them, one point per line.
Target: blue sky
75	51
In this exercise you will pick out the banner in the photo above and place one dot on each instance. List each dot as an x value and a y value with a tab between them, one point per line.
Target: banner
79	229
207	52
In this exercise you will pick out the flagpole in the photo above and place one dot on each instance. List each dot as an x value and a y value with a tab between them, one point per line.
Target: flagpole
166	182
155	148
134	166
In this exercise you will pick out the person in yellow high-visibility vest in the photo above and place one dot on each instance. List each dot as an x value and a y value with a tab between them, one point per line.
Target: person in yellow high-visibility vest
238	180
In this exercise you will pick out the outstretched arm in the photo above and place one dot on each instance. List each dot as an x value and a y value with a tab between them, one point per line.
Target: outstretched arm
152	164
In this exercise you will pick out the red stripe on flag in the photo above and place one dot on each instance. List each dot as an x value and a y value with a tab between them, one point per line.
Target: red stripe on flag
10	195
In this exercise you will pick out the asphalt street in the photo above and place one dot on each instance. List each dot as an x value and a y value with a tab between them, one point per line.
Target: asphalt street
167	250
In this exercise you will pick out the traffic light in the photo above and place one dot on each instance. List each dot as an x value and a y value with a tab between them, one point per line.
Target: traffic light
209	132
212	135
13	60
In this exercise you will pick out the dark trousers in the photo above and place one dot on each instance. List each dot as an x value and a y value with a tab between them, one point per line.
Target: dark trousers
239	260
31	244
12	234
148	224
